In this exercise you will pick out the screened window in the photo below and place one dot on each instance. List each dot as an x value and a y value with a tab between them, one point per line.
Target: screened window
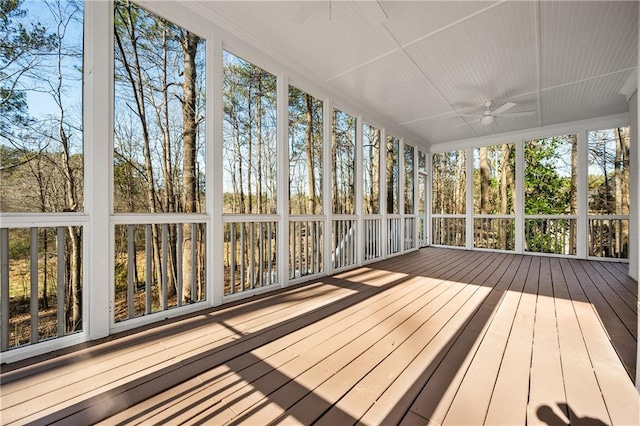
41	147
422	162
449	194
550	195
305	153
159	114
609	175
494	179
392	165
449	182
609	171
493	194
41	169
250	137
409	181
158	162
371	169
343	153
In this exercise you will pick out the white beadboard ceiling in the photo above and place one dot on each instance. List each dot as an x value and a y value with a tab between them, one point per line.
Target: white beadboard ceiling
431	63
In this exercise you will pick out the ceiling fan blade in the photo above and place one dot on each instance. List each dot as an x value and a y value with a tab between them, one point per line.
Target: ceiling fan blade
469	115
519	114
503	108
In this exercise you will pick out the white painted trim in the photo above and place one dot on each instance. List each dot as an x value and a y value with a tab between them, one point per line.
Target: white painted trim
282	176
428	198
214	173
469	199
43	347
631	85
98	142
44	220
327	184
382	183
359	189
535	133
519	196
582	187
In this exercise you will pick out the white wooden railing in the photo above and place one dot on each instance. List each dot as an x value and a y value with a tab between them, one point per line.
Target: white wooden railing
250	257
495	232
344	251
306	242
448	230
158	266
608	236
372	237
36	302
394	234
410	235
551	234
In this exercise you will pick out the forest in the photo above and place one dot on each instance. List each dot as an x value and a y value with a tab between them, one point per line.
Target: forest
159	175
550	192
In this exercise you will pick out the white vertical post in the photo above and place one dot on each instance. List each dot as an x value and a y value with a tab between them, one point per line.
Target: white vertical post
359	190
400	193
327	185
583	194
282	250
383	192
428	197
98	151
519	196
469	199
214	175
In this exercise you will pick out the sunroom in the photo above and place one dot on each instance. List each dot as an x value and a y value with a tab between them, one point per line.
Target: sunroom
373	212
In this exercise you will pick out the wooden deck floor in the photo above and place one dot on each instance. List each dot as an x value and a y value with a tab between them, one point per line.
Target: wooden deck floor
437	336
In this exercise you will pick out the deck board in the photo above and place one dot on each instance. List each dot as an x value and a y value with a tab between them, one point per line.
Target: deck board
438	335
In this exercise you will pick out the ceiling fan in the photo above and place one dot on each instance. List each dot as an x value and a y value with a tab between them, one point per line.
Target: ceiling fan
489	117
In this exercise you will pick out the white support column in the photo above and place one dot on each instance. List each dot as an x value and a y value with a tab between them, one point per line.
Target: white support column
428	198
583	195
282	255
358	193
214	177
327	185
416	183
519	196
634	187
383	192
400	193
98	151
469	199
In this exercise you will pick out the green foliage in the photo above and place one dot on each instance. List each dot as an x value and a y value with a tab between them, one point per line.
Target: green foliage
20	46
546	191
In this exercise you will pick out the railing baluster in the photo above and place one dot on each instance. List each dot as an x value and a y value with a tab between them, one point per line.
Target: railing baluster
131	264
34	302
252	259
179	265
260	258
194	261
165	264
148	250
4	288
243	250
269	254
60	269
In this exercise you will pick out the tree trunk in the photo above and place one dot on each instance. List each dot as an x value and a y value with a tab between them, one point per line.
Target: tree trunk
485	181
308	137
389	171
189	44
138	90
573	206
